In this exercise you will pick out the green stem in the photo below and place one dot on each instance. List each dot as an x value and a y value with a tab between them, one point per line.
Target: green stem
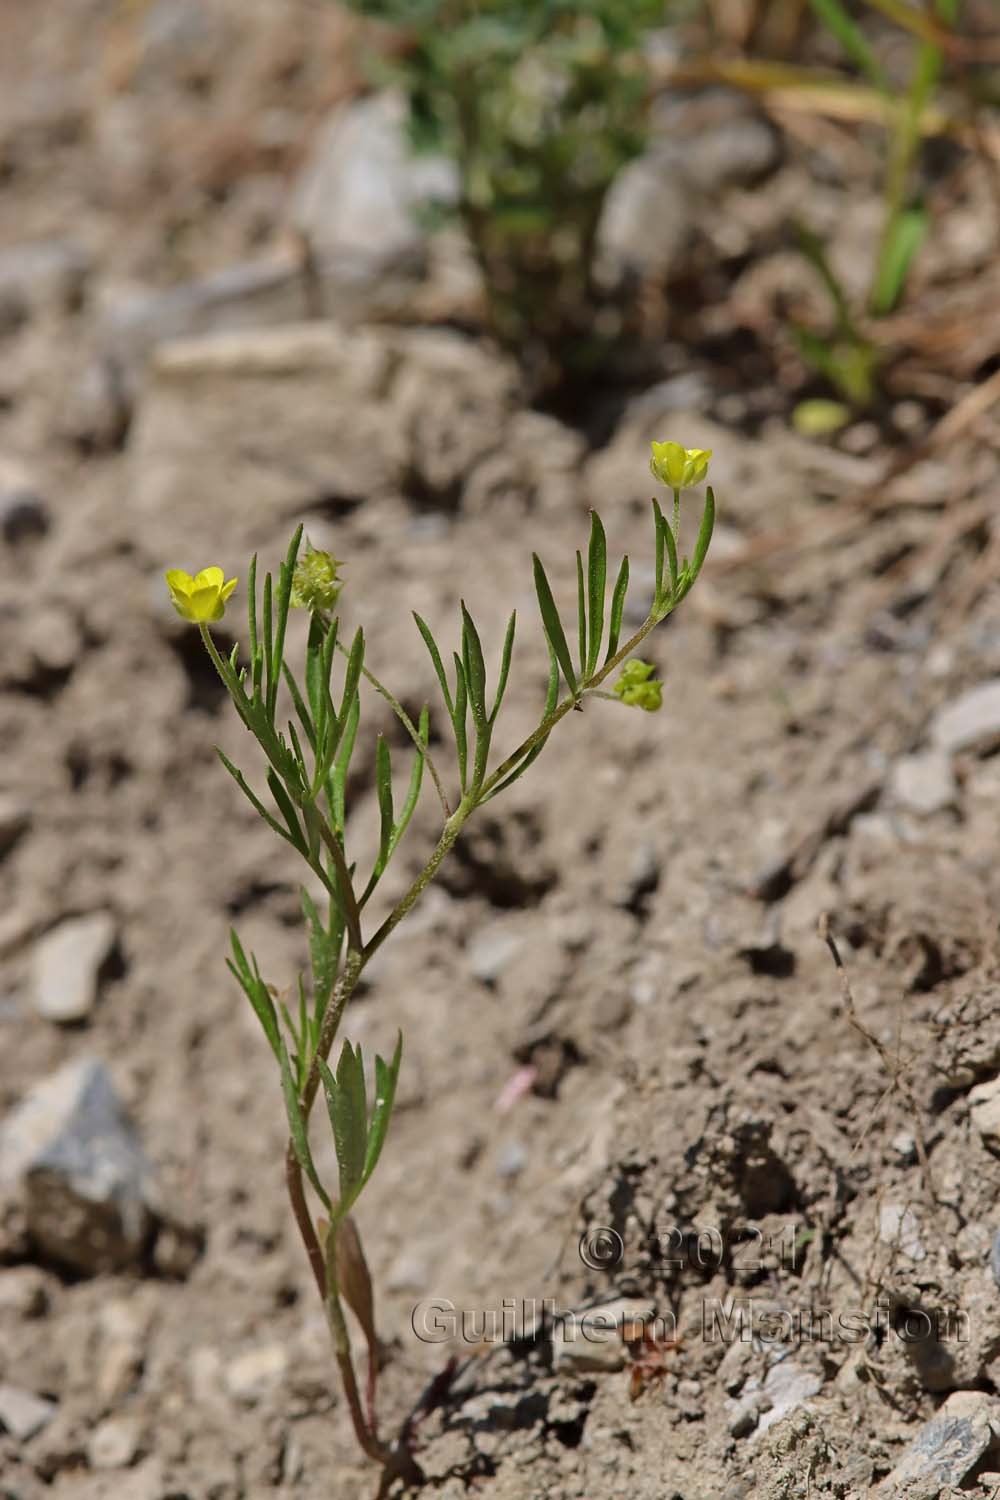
677	515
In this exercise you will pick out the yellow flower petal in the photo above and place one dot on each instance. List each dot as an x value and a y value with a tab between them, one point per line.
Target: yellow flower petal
209	578
203	603
178	581
227	589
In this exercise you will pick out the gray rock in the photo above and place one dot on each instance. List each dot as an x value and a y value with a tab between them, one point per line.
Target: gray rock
22	1413
786	1386
995	1258
512	1161
65	966
971	721
946	1448
71	1159
984	1111
899	1226
34	276
356	199
923	783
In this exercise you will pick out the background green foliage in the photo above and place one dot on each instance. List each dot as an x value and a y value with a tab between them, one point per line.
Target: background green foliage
540	102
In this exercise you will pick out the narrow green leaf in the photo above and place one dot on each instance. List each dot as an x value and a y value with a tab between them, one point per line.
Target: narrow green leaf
658	528
305	718
287	809
386	1077
314	671
505	659
342	763
552	625
300	759
435	656
459	719
256	658
704	534
252	798
581	615
551	699
383	791
352	677
257	993
297	1125
416	778
597	578
617	609
475	668
283	602
347	1107
268	640
902	244
322	956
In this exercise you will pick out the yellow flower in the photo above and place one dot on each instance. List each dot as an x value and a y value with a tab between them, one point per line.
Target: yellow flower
678	467
201	598
637	686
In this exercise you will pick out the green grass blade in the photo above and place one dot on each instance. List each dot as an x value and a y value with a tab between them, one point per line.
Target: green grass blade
853	40
256	659
902	244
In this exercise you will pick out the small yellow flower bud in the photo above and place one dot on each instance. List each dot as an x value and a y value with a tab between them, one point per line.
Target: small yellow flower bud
638	688
202	598
679	468
315	584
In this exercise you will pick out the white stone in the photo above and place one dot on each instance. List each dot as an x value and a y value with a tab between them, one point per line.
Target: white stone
253	1372
113	1444
970	720
924	783
984	1110
65	966
22	1413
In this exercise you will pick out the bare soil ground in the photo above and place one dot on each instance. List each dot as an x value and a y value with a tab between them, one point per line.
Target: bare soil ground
636	924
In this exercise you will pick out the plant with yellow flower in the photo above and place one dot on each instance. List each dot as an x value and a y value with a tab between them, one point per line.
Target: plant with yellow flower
308	757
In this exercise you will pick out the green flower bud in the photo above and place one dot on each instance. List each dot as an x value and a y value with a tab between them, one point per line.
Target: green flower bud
638	688
315	584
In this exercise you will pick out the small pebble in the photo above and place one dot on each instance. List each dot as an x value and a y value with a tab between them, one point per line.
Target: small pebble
66	964
113	1444
255	1371
22	1413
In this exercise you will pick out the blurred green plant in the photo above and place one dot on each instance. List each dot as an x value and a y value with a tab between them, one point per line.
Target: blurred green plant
309	757
847	359
541	103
